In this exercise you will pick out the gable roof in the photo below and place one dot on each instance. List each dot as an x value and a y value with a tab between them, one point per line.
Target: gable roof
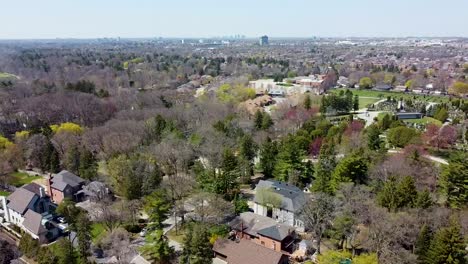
246	252
20	199
292	198
61	180
255	225
33	222
33	187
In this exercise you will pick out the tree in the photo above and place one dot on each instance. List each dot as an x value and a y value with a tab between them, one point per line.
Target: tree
67	208
317	215
441	114
373	137
365	83
440	137
352	168
88	165
407	192
157	206
324	168
307	102
356	103
83	233
247	153
424	199
448	246
389	197
197	246
459	88
268	152
157	247
64	252
267	122
454	181
401	136
423	244
289	159
258	120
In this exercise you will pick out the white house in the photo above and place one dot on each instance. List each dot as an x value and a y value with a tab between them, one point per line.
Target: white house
289	201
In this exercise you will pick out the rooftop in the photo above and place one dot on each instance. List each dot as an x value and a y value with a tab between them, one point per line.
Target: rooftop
246	252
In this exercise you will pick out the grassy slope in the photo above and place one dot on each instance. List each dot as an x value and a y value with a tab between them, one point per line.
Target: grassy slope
19	179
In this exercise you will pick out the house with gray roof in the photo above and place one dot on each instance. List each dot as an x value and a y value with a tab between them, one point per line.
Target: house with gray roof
280	201
65	185
30	209
264	231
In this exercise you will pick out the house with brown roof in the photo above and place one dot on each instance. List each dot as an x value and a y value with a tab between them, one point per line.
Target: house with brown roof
246	252
65	185
264	231
30	209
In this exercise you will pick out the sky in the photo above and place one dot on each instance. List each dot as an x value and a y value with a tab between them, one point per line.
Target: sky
47	19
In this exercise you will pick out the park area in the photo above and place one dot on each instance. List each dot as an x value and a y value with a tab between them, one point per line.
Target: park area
397	95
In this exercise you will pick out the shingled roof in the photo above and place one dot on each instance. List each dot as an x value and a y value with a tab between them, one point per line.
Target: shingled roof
255	225
33	222
292	198
20	199
246	252
65	178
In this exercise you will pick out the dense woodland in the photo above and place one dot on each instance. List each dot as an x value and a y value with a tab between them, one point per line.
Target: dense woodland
114	112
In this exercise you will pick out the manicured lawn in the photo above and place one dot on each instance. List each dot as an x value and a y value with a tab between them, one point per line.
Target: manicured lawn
397	95
97	231
365	101
425	120
4	193
19	179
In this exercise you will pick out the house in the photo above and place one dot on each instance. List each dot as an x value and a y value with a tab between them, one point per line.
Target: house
245	252
280	201
64	185
402	116
264	231
30	209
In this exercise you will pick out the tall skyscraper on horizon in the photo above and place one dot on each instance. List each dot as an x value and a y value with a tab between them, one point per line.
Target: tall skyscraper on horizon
263	40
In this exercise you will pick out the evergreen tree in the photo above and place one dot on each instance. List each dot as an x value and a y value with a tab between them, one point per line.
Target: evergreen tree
268	152
83	232
422	244
307	102
88	165
157	206
258	120
448	246
454	181
373	137
424	200
350	169
356	103
289	159
197	247
324	169
267	122
389	196
72	159
64	252
407	192
157	247
226	182
247	153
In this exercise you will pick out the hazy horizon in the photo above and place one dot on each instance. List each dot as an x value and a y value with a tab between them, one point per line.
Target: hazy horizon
87	19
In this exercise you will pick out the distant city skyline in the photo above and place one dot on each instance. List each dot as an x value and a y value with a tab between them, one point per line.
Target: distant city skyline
49	19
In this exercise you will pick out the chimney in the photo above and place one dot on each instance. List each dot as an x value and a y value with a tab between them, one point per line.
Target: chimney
42	192
49	188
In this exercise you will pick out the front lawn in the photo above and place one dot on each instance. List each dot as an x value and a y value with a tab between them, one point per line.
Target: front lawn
19	179
4	193
97	231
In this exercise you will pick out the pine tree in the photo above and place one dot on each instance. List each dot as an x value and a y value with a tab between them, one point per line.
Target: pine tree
389	196
157	247
88	165
72	159
258	120
423	243
350	169
407	192
268	152
373	137
64	252
356	103
307	102
324	169
197	247
267	122
423	200
448	246
454	181
83	232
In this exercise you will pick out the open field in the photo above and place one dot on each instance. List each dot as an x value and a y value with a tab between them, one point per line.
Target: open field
397	95
19	179
365	101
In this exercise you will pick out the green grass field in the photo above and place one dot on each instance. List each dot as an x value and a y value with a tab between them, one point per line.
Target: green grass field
4	75
19	179
97	231
397	95
4	193
424	120
364	102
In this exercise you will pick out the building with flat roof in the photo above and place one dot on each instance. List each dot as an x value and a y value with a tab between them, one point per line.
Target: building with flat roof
264	40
